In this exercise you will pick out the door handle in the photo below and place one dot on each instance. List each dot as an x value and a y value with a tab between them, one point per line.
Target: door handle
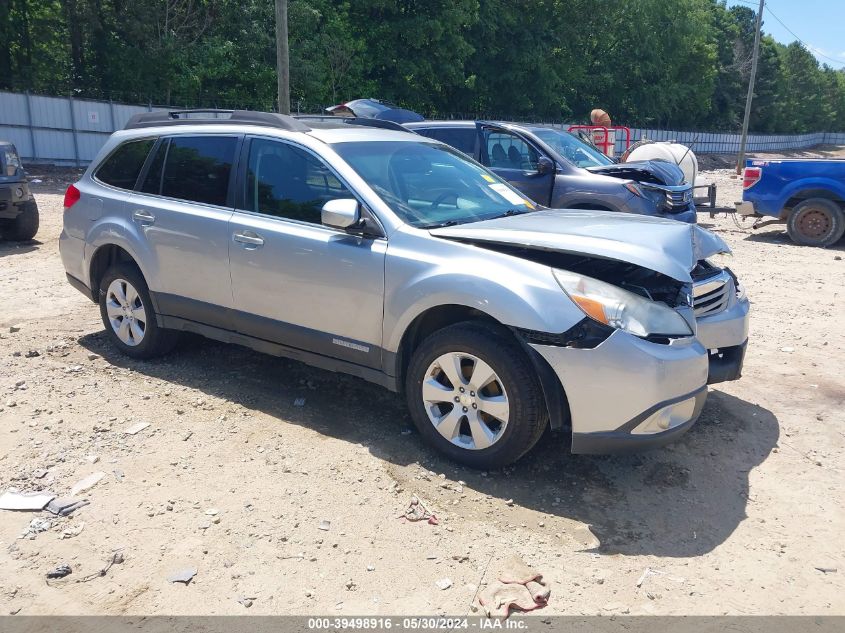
249	239
143	217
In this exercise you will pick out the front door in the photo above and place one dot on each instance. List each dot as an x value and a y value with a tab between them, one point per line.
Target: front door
295	281
514	159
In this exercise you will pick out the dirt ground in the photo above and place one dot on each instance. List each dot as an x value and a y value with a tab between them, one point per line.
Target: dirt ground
744	515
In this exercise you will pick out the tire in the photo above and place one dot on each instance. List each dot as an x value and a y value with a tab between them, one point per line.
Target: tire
25	226
130	319
816	222
477	437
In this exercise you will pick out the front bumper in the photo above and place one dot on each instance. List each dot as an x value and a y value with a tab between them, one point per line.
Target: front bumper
626	387
725	336
655	207
683	411
13	195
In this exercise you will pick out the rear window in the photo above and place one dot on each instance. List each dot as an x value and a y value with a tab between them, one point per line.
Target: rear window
121	169
459	138
197	168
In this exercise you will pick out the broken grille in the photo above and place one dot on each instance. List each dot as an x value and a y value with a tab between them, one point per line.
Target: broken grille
678	198
713	295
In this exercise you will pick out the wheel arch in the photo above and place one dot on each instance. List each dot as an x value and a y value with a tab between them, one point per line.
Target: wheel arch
439	317
106	256
808	192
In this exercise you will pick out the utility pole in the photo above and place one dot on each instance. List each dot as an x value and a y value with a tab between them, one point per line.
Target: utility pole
740	164
282	58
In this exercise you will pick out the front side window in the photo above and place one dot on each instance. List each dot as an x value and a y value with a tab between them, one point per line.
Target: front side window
288	182
508	151
122	167
430	184
572	148
197	168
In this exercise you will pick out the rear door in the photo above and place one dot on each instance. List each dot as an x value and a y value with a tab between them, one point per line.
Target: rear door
296	282
514	159
180	214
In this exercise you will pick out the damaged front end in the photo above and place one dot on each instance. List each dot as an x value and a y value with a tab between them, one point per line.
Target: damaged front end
632	372
660	181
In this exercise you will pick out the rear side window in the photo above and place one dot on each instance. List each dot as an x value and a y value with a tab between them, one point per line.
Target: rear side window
459	138
197	168
121	169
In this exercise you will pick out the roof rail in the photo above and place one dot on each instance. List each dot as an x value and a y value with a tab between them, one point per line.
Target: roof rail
353	120
239	117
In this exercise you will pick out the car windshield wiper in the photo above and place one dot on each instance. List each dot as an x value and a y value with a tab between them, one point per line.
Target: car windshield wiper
509	212
440	225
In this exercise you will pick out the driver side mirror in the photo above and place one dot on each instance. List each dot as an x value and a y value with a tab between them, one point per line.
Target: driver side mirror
545	165
341	213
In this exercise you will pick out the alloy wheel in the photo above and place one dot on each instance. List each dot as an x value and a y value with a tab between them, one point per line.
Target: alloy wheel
126	312
465	400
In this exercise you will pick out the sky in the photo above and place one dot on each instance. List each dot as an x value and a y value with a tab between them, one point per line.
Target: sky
818	23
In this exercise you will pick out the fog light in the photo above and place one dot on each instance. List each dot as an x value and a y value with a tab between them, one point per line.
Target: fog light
19	192
667	418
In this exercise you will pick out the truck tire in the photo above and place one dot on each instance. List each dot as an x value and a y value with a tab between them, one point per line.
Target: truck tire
24	227
473	395
816	222
129	316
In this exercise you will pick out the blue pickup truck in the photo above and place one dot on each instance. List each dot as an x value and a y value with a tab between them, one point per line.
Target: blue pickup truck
807	194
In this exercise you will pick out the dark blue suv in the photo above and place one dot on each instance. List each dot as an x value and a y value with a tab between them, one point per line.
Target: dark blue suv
557	169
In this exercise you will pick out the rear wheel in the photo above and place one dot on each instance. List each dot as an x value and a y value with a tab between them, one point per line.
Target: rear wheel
816	222
473	395
25	226
128	314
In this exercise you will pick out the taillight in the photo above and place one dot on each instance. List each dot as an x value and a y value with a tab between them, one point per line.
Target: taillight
751	176
72	196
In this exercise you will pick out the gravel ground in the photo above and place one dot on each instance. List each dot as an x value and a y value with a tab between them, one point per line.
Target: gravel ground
742	516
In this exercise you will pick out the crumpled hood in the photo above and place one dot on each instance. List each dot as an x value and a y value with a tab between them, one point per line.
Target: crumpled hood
666	246
667	173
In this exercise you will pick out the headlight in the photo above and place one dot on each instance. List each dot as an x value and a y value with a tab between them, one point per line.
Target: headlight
620	308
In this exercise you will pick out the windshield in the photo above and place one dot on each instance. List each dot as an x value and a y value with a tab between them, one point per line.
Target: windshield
572	148
430	185
10	160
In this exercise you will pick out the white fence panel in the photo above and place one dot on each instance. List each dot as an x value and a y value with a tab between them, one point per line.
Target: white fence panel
13	109
63	130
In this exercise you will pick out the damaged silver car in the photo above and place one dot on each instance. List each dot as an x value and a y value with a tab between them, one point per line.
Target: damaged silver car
400	260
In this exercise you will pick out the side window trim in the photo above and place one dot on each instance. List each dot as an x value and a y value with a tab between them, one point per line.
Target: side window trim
243	166
142	176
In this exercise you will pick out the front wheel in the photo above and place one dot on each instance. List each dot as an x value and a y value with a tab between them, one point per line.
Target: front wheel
127	312
816	222
474	396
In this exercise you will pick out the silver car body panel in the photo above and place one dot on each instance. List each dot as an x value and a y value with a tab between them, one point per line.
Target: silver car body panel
362	295
669	247
599	387
725	329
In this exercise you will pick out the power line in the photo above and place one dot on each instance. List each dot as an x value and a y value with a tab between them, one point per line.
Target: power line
812	49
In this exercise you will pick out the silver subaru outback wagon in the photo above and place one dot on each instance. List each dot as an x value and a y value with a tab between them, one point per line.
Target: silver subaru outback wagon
397	259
